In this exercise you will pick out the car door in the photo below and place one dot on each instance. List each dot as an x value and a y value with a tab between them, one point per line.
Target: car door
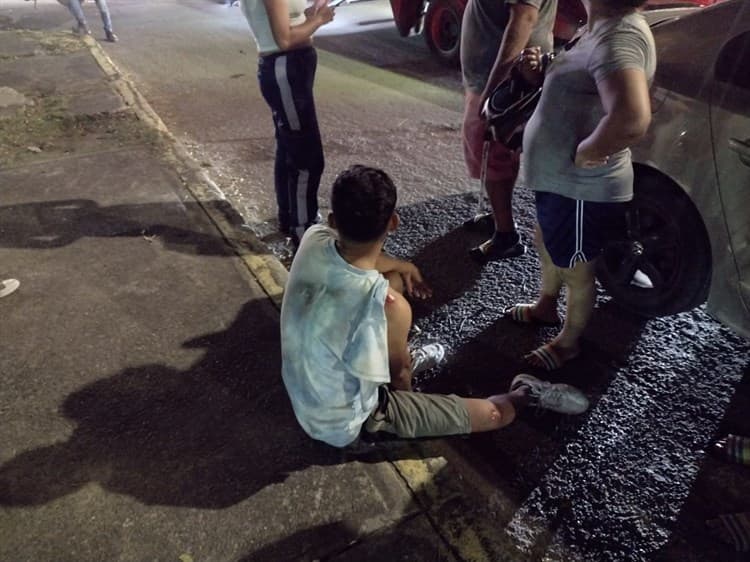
730	124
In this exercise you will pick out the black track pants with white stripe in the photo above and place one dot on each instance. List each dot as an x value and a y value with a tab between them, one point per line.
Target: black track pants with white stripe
286	82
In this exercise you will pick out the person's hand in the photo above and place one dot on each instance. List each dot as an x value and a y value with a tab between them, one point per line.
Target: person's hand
413	282
530	64
587	159
324	14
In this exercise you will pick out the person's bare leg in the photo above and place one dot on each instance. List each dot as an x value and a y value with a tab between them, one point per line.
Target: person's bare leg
505	241
545	307
496	411
398	315
500	194
581	284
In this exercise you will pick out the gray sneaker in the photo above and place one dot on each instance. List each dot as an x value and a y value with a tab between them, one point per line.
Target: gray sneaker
81	29
426	357
559	397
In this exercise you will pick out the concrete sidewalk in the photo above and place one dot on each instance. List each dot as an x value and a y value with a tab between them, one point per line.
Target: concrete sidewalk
142	415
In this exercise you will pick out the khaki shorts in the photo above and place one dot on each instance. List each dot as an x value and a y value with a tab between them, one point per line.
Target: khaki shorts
413	414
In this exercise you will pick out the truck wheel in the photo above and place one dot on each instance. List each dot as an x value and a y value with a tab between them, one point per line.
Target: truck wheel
442	29
665	239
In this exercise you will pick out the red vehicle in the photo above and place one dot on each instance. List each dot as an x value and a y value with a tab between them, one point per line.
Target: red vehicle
440	21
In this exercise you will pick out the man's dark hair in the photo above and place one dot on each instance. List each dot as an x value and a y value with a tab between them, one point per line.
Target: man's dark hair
362	200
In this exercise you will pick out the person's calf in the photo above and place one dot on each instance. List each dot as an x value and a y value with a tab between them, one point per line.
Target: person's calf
491	413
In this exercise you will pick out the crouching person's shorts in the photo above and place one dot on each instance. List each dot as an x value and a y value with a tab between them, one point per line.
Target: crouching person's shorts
412	414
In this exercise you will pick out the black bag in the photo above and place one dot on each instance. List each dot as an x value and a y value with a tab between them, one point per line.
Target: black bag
510	106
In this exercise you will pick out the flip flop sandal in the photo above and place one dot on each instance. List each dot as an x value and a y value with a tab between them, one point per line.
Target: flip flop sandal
734	449
521	314
548	358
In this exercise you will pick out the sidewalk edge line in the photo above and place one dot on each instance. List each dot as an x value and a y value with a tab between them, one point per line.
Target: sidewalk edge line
267	270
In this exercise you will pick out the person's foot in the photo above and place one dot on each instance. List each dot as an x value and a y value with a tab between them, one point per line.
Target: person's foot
426	357
8	286
482	222
733	448
551	356
559	397
502	245
530	314
111	37
733	529
81	29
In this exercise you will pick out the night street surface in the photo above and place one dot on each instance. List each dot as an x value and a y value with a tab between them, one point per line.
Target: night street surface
610	483
630	479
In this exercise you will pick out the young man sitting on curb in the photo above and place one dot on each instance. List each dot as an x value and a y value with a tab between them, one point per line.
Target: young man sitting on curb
346	363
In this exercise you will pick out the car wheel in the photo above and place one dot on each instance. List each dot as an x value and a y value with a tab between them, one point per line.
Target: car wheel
442	29
659	263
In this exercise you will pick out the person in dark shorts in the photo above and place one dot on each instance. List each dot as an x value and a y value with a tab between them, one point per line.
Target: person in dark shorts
594	105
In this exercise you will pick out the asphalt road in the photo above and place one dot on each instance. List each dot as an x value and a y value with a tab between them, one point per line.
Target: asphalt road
627	481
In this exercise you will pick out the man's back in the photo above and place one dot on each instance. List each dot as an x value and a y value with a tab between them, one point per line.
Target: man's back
333	339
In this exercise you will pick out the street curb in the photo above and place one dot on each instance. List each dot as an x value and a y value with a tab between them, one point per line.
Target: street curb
267	270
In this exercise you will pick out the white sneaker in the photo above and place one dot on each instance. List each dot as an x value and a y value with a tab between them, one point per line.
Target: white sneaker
641	280
559	397
426	357
8	286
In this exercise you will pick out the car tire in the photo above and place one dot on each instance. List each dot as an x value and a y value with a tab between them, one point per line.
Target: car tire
663	237
442	30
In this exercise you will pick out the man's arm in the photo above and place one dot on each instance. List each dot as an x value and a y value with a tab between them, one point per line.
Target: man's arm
412	277
522	20
398	313
625	98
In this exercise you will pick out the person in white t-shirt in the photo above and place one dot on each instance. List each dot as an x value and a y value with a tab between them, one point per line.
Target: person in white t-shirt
345	320
287	61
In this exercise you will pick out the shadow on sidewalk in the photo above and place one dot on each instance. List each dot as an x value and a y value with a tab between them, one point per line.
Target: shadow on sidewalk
54	224
209	436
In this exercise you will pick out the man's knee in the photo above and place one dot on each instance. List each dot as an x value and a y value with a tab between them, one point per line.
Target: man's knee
395	281
581	276
397	310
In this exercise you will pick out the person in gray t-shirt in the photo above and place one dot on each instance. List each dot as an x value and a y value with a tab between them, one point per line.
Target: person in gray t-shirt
493	33
594	105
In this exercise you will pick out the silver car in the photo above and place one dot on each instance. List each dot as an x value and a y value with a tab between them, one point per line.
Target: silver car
688	228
